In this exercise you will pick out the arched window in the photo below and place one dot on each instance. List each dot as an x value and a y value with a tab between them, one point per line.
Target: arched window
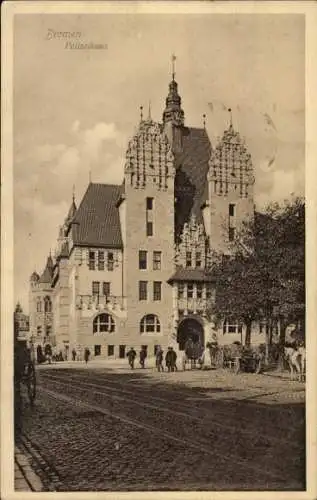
38	305
103	323
231	325
47	305
150	324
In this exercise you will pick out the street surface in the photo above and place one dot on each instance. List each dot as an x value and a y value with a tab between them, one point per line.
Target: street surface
98	428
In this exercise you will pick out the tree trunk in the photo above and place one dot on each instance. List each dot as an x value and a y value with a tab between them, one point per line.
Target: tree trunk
248	323
283	325
267	342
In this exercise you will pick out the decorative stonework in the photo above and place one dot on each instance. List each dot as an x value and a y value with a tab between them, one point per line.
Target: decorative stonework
230	166
149	159
194	241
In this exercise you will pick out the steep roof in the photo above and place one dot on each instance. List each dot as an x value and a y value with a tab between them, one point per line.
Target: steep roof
97	222
46	276
191	274
191	171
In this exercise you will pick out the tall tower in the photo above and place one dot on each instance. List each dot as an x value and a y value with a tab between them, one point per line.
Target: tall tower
173	115
230	191
148	214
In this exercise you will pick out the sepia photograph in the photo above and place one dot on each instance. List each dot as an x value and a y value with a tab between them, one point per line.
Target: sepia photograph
158	316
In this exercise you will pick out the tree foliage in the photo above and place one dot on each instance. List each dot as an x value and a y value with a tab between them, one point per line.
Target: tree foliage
264	278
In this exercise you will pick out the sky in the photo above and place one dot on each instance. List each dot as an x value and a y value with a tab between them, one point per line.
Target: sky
75	110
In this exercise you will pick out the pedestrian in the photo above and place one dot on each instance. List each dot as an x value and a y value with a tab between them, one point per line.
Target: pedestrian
131	355
74	354
48	353
173	360
143	355
87	354
159	359
169	359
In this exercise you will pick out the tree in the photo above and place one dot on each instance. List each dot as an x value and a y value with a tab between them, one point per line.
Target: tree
264	278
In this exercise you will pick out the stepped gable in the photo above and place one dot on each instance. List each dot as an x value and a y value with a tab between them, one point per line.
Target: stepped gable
96	222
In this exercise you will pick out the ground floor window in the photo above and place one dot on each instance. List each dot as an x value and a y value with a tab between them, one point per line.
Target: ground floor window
150	324
122	351
103	323
97	350
110	350
231	325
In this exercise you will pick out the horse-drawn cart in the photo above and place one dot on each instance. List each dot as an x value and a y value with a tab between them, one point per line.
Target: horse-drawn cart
24	372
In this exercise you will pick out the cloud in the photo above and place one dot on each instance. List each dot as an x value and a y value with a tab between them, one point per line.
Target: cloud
282	185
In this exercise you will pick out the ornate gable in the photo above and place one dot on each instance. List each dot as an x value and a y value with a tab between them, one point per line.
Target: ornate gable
193	249
149	158
230	165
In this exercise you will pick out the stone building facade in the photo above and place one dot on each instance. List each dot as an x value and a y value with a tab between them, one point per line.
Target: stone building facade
131	267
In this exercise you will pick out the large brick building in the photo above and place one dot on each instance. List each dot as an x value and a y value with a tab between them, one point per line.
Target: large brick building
130	268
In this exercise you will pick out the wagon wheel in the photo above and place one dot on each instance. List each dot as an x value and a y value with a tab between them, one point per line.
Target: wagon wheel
237	365
31	384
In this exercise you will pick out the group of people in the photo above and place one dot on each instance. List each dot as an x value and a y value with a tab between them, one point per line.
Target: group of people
170	358
78	356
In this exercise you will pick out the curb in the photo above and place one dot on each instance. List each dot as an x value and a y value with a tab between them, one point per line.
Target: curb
29	481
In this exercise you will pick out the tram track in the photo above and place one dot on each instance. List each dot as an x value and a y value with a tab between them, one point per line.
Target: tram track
203	447
201	415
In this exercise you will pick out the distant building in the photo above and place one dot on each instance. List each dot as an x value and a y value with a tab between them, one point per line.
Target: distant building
132	259
21	323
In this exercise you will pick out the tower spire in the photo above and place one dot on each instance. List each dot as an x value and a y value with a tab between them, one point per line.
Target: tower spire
204	120
141	113
149	115
173	59
73	193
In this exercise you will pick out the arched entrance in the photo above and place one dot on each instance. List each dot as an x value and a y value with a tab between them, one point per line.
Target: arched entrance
190	328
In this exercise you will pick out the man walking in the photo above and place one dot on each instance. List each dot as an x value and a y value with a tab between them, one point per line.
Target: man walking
86	355
159	359
131	354
143	355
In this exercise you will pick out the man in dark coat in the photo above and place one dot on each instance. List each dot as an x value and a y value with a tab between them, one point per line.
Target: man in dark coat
169	359
86	354
173	360
131	355
159	359
143	355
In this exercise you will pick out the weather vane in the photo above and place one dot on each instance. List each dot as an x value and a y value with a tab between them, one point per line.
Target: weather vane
173	66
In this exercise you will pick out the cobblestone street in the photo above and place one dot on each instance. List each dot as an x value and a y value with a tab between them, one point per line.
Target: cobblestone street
95	428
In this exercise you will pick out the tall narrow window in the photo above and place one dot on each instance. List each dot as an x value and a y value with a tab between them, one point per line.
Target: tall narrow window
181	289
232	209
95	288
190	290
157	290
106	288
231	233
208	291
142	259
38	305
157	259
188	259
110	261
91	264
198	259
142	290
199	290
149	216
101	261
149	203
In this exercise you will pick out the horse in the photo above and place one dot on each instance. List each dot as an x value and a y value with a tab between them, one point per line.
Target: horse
296	359
192	354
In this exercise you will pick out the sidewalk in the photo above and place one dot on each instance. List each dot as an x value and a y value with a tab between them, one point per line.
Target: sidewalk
25	479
